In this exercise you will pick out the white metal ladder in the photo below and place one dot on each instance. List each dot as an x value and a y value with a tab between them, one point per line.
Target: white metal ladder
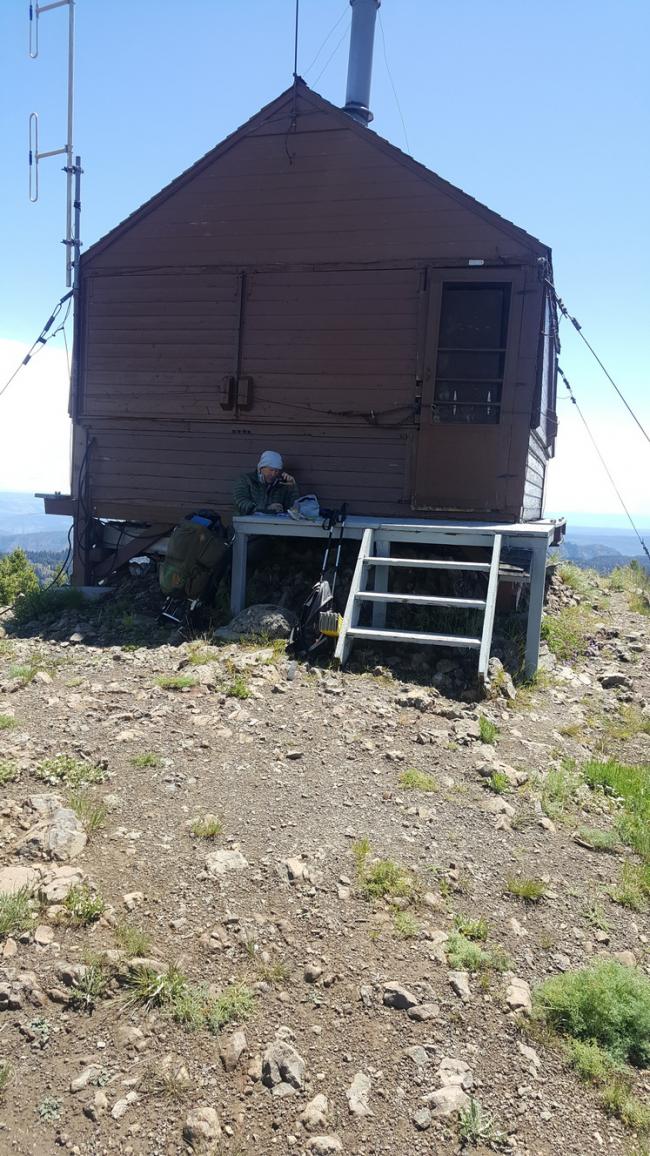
375	554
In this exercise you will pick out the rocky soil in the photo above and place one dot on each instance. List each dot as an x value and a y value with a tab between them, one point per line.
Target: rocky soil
230	810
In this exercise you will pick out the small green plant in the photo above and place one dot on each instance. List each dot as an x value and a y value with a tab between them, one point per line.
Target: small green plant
234	1005
82	905
148	759
361	850
7	722
405	926
477	1127
464	954
413	780
49	1109
5	1075
91	813
238	688
633	888
16	911
65	770
90	986
580	581
626	724
530	890
207	827
607	1004
199	654
569	632
489	730
596	917
617	1100
132	940
558	788
630	785
384	878
592	1063
475	929
498	782
278	972
176	681
171	991
8	772
598	840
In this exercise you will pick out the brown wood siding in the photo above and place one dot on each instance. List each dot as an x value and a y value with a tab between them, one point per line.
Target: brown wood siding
141	471
159	346
536	462
305	195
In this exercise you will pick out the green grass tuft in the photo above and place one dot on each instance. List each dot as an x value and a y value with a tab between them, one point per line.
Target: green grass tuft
607	1004
598	840
7	722
592	1063
489	730
569	632
207	827
405	926
558	788
238	688
16	912
465	955
633	888
413	780
5	1074
148	759
530	890
235	1004
617	1100
386	878
132	940
176	681
91	813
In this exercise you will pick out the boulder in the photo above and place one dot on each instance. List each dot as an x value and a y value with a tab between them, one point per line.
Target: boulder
264	620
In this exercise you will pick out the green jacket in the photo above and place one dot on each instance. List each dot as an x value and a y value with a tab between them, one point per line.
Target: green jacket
251	495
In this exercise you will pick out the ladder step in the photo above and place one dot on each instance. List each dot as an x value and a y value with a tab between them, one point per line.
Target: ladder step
412	636
426	564
422	600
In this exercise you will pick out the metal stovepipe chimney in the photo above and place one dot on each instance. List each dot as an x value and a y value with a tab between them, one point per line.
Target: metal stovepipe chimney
362	35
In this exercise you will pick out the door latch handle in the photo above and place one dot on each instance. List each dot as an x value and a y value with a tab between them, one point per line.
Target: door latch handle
227	393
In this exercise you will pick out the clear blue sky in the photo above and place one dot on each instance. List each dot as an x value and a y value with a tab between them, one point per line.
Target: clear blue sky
539	108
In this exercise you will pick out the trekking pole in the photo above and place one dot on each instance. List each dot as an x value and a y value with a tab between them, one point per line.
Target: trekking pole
330	621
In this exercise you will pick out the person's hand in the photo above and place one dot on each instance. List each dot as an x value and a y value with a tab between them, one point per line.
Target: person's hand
276	508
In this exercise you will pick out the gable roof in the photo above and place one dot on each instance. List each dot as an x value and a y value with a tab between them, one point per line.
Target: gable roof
286	102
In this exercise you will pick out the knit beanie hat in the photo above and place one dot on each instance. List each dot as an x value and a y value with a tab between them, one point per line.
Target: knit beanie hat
271	459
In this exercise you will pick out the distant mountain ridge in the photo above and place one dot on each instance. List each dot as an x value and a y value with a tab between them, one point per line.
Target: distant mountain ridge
23	523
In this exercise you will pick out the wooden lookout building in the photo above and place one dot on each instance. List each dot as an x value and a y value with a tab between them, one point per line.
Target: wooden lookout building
308	287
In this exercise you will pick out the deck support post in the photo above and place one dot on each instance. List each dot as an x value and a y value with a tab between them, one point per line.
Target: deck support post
535	606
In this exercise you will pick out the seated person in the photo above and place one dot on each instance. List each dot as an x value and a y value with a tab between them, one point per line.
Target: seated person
266	490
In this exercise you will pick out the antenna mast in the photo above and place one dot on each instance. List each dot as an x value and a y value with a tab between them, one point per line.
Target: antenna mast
72	169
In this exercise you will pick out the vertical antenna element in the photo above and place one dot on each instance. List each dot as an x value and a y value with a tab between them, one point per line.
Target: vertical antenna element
295	42
71	240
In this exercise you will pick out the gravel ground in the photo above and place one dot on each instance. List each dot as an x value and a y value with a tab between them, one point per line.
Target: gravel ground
298	771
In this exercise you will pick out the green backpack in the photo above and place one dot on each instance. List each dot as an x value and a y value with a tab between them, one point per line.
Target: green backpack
195	547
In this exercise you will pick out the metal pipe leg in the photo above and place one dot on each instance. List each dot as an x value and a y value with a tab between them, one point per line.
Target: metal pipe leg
535	607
